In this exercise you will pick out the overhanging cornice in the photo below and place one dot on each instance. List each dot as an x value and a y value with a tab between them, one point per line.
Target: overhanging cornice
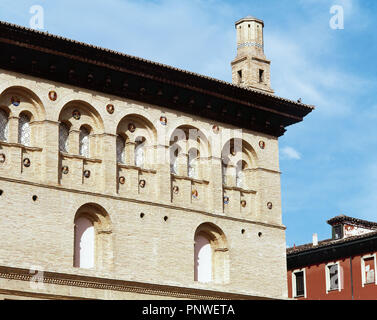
66	61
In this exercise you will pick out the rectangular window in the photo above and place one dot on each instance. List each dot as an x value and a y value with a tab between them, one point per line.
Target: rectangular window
337	232
261	75
368	266
333	277
298	283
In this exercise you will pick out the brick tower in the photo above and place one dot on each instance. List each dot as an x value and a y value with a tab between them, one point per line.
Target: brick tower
250	68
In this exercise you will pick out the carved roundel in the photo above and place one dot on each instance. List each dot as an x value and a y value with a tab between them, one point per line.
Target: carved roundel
175	189
2	158
215	129
27	162
243	203
76	114
262	144
122	180
163	120
269	205
65	169
110	108
87	173
131	127
142	183
15	101
52	95
195	194
226	200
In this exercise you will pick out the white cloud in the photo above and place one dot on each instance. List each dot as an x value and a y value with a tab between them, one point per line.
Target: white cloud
290	153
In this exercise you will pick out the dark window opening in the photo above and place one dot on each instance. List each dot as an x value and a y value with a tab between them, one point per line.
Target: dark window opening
239	76
300	288
337	232
261	75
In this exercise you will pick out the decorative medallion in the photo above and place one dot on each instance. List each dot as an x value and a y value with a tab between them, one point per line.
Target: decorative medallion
122	180
87	173
76	114
110	108
195	194
226	200
52	95
262	144
65	169
142	183
269	205
2	158
131	127
27	162
163	120
215	129
15	101
175	189
243	203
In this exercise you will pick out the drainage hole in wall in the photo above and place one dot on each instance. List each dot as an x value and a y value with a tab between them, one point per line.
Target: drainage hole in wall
35	198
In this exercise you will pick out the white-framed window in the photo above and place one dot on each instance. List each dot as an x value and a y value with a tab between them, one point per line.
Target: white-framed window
299	283
368	269
334	276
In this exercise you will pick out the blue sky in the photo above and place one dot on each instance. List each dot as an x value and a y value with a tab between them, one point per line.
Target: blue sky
329	161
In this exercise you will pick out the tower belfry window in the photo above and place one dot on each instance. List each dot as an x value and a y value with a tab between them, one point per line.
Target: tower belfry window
261	75
239	76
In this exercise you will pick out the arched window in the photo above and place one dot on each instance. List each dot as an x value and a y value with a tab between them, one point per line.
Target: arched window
211	254
63	137
24	134
192	159
203	259
3	126
139	151
84	142
240	177
121	147
84	243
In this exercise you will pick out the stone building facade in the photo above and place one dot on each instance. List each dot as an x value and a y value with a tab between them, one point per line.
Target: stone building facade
121	178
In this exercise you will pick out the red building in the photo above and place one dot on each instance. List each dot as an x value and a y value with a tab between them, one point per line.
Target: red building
340	268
